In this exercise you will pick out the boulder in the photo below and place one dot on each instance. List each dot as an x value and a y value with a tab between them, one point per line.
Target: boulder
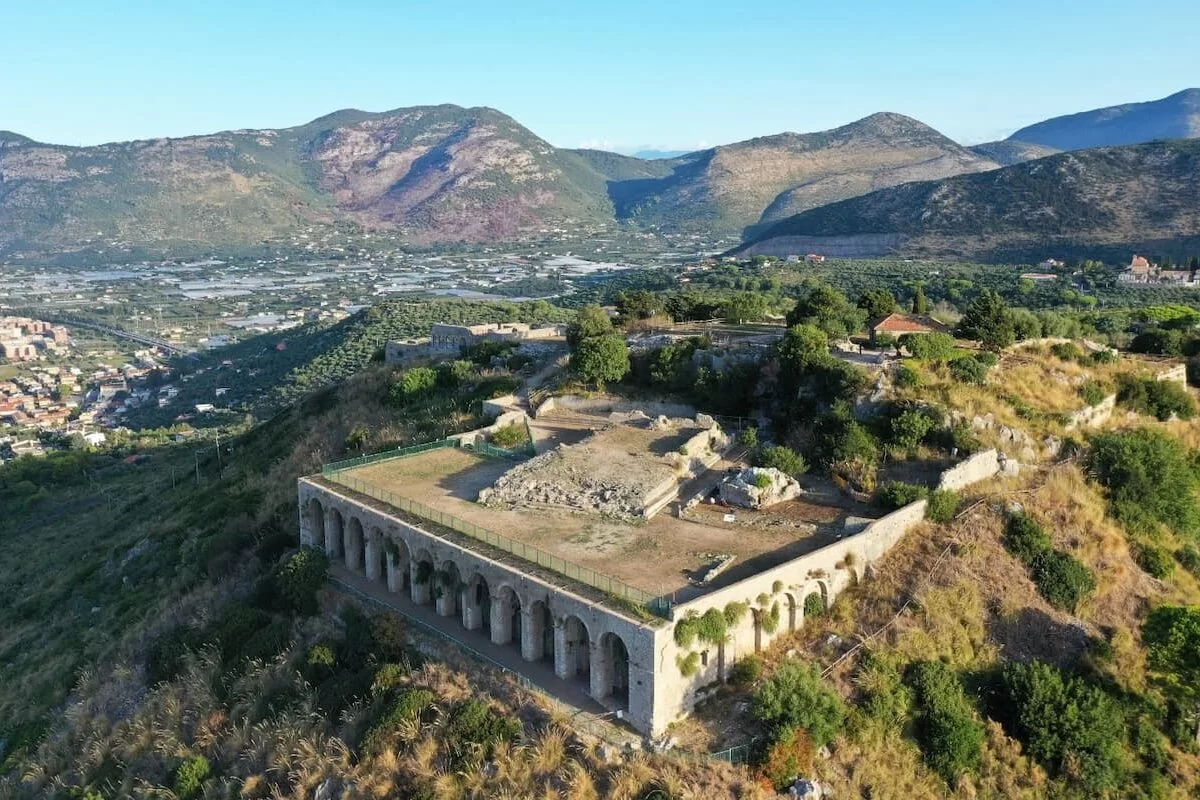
744	489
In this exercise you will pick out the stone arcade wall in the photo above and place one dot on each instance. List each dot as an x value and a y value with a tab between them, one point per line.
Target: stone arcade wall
388	550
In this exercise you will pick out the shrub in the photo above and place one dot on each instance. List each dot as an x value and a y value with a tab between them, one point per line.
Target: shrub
814	605
749	439
735	612
909	428
897	494
769	619
762	480
951	738
1069	725
784	459
969	370
1025	539
1159	399
688	665
1066	351
408	706
190	777
300	578
796	697
1093	392
1189	557
686	630
789	756
1149	479
964	439
929	346
907	377
1156	561
473	730
510	436
885	696
321	659
943	505
1063	580
1104	357
414	384
746	671
711	626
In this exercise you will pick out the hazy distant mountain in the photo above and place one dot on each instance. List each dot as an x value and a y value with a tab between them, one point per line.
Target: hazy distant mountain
1008	152
655	154
1127	198
1174	117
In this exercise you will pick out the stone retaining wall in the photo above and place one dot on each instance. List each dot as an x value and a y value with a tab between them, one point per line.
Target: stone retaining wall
608	405
978	467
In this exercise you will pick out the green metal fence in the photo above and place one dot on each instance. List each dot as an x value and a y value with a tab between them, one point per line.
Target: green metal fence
590	577
386	455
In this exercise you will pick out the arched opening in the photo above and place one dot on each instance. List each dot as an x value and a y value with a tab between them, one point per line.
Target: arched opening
447	586
506	617
576	658
794	618
814	604
476	605
399	575
314	518
355	546
334	532
537	638
423	577
610	677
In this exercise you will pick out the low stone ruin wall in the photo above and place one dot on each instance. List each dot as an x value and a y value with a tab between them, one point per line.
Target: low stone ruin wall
1091	416
608	405
484	434
978	467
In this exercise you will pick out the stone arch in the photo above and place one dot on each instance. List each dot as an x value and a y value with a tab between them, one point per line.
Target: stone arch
572	648
537	633
422	578
335	533
355	545
399	564
447	587
816	600
476	604
506	623
795	614
314	518
610	670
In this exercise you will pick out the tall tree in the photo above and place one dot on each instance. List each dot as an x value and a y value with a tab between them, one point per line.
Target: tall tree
591	320
920	305
877	303
601	359
988	321
1172	634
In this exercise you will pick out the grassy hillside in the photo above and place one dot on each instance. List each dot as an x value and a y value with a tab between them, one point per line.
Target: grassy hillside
1133	197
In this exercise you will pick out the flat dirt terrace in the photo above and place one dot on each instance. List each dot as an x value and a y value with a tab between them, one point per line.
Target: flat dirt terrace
656	556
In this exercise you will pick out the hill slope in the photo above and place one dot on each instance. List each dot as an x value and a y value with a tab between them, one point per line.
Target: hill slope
439	172
1009	151
1174	117
1124	197
761	180
434	173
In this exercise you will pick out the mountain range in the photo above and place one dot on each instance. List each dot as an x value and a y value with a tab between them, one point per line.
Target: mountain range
446	173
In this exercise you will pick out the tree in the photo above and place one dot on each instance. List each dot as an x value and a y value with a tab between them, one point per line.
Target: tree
796	697
1172	635
414	384
1149	479
639	304
601	359
951	738
934	346
802	348
745	307
988	321
592	320
784	459
877	303
909	428
828	309
920	305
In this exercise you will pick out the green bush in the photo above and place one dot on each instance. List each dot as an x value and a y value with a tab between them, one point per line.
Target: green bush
1104	357
964	439
1066	351
1159	399
415	384
1093	392
1025	539
907	377
951	738
969	370
762	480
943	505
408	706
814	605
749	439
300	578
897	494
510	436
1156	561
1072	727
711	626
1189	557
884	694
796	697
687	629
784	459
929	346
746	671
1063	580
1149	479
190	777
473	730
908	429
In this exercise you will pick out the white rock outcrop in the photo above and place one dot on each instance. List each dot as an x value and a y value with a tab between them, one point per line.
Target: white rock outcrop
743	489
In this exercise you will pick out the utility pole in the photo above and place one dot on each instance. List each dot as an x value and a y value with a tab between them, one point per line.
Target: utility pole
196	453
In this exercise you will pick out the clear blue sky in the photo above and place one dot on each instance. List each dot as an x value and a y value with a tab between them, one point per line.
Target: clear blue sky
615	74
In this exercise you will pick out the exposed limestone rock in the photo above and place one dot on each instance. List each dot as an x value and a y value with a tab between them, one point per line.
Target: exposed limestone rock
743	489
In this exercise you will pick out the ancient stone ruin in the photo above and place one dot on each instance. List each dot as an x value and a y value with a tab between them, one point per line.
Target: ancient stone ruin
758	487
